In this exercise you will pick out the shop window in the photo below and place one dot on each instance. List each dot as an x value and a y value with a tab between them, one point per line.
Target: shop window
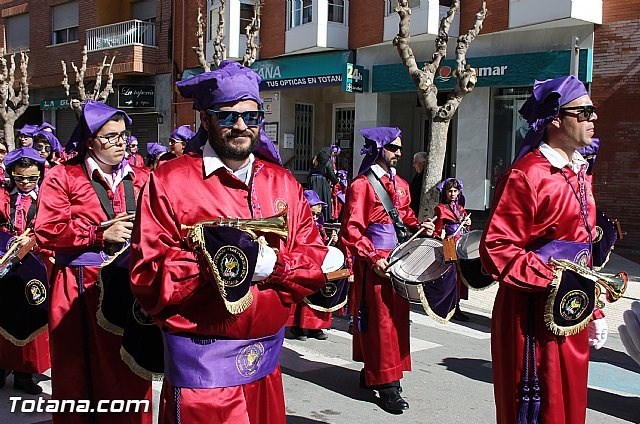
17	33
391	5
65	23
303	136
336	11
300	12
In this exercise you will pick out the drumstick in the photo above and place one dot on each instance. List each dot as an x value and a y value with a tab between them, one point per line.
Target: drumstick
128	217
466	218
14	247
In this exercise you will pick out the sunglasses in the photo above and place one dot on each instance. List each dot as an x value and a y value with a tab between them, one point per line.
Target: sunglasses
583	113
25	178
229	118
172	142
133	146
393	148
41	147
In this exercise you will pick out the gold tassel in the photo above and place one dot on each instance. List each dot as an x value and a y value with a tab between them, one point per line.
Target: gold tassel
21	343
102	320
137	369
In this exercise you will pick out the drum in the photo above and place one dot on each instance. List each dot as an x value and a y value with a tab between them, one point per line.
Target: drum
334	294
607	233
469	265
420	275
120	313
24	303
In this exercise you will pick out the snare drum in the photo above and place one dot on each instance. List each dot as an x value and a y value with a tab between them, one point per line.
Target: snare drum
469	265
420	275
333	295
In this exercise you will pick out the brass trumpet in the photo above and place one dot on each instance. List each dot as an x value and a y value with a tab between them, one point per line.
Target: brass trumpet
615	286
276	224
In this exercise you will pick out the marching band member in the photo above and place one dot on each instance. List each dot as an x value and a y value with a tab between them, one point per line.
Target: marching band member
338	196
232	175
381	333
47	145
179	138
133	157
25	168
25	135
93	187
304	321
543	207
450	215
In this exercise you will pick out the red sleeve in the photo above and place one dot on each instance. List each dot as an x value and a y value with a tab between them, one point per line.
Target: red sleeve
439	223
508	232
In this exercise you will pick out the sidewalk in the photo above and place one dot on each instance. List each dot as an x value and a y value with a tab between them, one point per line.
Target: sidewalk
482	300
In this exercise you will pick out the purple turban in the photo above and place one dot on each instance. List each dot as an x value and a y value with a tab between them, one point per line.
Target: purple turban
46	125
544	106
374	140
313	198
52	139
229	83
131	139
183	133
28	130
156	149
94	116
443	195
23	152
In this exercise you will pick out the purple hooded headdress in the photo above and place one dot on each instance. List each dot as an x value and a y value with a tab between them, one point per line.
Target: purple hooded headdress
94	116
52	139
374	140
23	152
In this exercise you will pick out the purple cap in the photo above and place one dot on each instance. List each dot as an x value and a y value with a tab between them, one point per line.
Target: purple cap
45	125
342	177
156	149
23	152
28	130
52	139
94	116
335	149
313	198
374	140
443	195
231	82
131	139
544	106
183	133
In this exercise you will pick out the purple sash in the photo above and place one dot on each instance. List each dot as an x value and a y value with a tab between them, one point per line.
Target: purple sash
562	249
383	236
86	258
202	363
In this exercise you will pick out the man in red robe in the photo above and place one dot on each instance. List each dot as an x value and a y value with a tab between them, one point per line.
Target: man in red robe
543	206
381	333
75	198
221	362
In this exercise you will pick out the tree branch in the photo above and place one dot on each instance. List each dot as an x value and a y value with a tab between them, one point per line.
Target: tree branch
219	49
199	49
108	88
252	30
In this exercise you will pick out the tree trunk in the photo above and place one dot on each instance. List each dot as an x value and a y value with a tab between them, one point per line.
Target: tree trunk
9	133
433	170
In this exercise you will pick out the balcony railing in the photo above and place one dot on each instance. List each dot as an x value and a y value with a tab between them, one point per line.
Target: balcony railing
126	33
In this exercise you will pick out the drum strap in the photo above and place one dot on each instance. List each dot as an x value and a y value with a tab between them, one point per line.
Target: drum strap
401	230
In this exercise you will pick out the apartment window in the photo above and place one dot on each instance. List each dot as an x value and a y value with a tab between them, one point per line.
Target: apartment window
336	11
246	16
65	23
391	5
212	24
301	12
144	10
303	136
17	32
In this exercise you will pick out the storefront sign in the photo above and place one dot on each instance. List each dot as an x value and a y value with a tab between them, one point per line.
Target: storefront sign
356	79
310	70
136	96
54	104
516	70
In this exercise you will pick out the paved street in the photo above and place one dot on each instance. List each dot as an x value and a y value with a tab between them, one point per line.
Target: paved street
451	377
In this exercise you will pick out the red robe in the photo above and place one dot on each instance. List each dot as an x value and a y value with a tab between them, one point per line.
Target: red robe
33	357
165	274
86	361
534	201
384	347
336	203
446	216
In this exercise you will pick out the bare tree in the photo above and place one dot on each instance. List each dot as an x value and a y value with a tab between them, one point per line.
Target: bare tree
252	30
428	93
99	93
12	104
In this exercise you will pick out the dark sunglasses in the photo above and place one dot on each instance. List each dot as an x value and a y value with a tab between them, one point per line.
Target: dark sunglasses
393	148
41	147
25	179
133	146
172	142
583	113
229	118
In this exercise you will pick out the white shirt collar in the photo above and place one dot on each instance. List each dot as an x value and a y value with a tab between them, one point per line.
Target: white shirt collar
33	193
379	172
556	160
113	179
212	163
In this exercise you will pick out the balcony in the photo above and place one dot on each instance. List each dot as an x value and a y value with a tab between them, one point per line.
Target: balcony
128	33
425	20
323	27
554	13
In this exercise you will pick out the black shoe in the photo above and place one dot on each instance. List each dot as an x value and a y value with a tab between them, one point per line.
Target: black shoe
317	334
298	333
460	316
363	381
390	400
24	382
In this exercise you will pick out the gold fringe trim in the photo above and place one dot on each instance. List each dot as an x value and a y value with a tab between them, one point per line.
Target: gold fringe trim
137	369
599	268
321	309
102	320
21	343
236	307
429	311
548	310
